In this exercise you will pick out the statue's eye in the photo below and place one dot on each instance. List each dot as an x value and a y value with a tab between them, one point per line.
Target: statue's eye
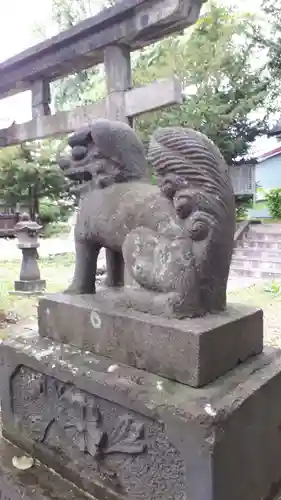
199	230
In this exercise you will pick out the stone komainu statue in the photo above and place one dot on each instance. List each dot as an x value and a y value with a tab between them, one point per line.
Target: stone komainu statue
173	242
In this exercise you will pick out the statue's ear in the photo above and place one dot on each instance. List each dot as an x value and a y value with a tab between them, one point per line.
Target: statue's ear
82	137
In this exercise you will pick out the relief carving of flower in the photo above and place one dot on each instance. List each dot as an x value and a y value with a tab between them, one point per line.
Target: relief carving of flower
85	422
78	414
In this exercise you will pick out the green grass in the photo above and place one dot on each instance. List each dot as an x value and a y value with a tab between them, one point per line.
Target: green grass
255	295
270	301
57	272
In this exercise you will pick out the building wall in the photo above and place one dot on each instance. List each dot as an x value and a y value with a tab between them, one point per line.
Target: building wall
268	176
268	173
243	179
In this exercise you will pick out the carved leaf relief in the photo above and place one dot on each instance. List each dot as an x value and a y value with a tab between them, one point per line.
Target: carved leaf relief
126	437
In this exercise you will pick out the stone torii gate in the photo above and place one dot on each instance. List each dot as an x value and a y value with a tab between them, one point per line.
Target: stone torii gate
108	37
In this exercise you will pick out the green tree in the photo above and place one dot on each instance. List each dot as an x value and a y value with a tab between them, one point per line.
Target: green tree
224	90
268	39
29	173
270	35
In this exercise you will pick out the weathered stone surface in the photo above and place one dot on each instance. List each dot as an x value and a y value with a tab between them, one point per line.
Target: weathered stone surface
104	446
174	242
193	175
37	483
192	351
119	432
276	497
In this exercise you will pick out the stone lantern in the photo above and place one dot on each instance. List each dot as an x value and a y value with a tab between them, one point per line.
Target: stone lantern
27	234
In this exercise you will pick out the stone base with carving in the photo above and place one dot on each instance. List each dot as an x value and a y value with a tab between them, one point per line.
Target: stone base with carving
118	432
192	351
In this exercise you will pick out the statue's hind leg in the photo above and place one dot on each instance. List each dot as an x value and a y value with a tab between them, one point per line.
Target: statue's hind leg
115	268
83	282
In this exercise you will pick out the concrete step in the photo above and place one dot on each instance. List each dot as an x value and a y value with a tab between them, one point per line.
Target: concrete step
271	265
258	253
259	244
266	228
254	273
267	232
264	236
254	253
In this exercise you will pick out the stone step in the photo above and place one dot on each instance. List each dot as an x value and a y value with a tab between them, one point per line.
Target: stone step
257	263
259	244
254	273
252	253
266	228
264	236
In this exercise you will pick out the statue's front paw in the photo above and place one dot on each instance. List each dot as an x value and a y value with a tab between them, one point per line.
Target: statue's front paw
183	306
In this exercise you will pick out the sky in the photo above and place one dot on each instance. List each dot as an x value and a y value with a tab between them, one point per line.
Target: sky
16	21
16	34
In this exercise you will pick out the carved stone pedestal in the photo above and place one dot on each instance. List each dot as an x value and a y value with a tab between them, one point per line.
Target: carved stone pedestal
118	432
192	351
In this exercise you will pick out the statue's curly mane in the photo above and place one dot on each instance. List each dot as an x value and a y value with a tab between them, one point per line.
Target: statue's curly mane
193	157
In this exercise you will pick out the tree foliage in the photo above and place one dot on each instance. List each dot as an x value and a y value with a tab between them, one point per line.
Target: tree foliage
28	173
223	89
270	35
273	199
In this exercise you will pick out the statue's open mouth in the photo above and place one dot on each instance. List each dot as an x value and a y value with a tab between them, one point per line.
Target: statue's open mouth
78	175
79	179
